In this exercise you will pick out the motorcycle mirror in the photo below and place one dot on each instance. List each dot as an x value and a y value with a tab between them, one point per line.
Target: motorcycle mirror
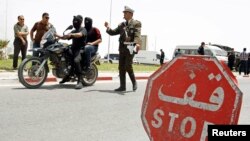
70	27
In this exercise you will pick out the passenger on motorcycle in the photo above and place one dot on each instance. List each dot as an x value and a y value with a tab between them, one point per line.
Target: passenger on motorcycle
78	37
93	39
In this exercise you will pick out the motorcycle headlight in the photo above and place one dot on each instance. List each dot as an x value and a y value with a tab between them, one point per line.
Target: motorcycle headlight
42	43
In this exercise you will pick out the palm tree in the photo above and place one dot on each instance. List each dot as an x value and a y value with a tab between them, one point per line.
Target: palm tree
3	44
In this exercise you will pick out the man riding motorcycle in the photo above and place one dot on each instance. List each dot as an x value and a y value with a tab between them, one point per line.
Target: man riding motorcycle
93	39
78	37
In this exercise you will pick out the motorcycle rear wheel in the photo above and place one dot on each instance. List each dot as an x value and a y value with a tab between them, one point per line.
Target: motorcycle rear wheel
27	73
90	78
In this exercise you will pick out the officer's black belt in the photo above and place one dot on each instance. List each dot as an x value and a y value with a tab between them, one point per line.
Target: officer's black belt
128	43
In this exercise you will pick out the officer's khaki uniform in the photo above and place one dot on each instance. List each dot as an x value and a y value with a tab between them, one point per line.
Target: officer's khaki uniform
129	33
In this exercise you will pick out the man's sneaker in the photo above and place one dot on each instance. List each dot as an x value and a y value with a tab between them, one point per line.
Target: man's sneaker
65	79
79	86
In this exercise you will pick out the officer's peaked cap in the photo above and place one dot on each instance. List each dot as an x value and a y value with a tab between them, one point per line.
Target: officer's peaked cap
128	9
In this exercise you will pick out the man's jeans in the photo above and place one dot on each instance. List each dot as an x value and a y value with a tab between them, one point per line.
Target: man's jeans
89	51
36	45
37	54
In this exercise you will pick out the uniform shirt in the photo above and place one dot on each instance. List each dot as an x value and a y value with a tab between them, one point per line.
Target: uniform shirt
77	43
19	28
134	28
93	35
40	29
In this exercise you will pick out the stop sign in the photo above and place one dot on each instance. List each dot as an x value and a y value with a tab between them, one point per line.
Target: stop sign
186	95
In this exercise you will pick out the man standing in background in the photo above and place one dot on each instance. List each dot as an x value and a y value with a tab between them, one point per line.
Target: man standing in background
231	59
20	42
162	57
243	62
40	28
201	49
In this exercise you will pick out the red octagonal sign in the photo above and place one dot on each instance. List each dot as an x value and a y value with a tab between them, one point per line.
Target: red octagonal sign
186	95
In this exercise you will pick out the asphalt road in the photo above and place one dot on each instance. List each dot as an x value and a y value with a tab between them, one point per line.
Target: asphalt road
97	113
61	113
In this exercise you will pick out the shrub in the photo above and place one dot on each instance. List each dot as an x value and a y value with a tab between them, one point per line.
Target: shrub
19	57
11	56
3	43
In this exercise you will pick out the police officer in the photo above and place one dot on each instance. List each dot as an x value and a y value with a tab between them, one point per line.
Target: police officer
130	37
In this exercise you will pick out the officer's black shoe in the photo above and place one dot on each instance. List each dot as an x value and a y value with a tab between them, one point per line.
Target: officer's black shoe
120	89
79	86
65	79
135	86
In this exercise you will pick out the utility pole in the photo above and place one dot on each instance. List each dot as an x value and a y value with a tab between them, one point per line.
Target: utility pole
110	14
155	42
6	15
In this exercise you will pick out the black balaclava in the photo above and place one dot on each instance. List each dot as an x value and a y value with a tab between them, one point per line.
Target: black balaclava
77	21
88	23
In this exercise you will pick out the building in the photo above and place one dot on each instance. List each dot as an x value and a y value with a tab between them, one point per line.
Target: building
144	45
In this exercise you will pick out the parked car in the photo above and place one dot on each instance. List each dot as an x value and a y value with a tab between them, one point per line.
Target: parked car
215	51
148	57
113	58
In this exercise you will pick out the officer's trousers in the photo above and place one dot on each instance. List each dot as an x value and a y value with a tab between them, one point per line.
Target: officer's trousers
125	65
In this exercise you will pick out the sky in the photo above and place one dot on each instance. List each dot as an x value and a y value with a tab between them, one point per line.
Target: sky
167	23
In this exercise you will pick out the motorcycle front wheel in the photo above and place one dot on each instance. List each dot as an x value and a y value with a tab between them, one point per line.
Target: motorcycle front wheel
28	73
90	77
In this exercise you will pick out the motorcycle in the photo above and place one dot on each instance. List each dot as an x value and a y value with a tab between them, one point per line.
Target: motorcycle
33	72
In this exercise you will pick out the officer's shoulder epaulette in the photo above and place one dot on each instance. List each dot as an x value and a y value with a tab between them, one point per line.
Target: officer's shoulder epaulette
136	23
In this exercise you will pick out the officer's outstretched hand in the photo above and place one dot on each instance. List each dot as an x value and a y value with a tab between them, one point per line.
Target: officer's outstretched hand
106	24
137	48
